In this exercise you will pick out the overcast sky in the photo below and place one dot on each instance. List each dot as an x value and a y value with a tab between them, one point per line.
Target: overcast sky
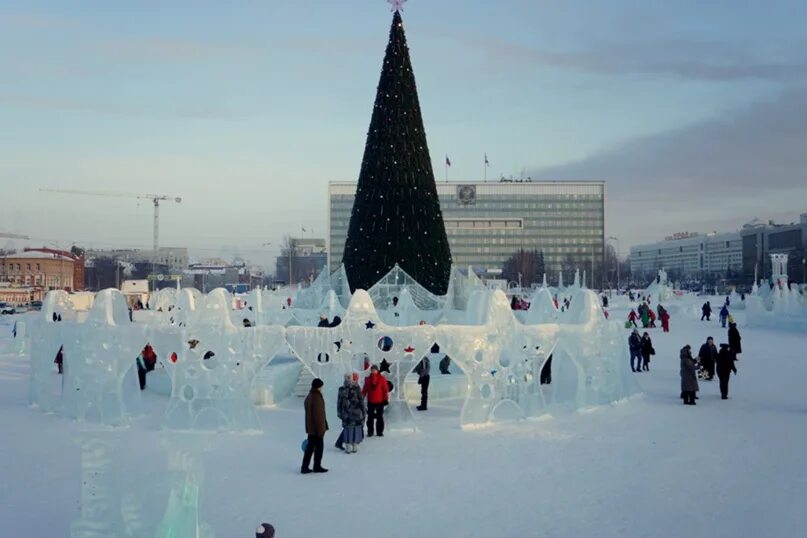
694	112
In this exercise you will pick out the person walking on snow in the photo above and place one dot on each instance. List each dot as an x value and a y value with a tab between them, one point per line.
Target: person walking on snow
635	347
316	424
689	376
652	316
376	390
423	370
647	350
664	316
734	340
724	314
632	318
707	356
352	412
706	310
643	312
725	365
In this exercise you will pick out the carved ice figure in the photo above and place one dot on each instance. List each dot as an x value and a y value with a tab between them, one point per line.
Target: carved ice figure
391	285
214	392
97	355
44	383
329	353
501	358
58	302
542	308
504	359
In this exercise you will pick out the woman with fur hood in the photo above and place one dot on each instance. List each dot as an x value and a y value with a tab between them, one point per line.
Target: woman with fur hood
351	410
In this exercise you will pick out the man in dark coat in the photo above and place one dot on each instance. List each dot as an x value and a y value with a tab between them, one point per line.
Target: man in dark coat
635	346
423	371
323	321
689	376
725	365
316	424
734	340
706	310
708	356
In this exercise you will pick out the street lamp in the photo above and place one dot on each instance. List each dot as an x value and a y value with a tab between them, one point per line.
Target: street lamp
612	238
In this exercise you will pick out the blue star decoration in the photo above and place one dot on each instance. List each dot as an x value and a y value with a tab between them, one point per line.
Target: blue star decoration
369	325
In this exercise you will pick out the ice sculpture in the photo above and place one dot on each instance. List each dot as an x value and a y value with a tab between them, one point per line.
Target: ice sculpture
215	367
44	383
116	502
58	302
391	285
778	303
98	354
362	338
501	358
542	307
507	359
660	290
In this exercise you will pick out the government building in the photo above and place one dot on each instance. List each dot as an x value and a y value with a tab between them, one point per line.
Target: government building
488	222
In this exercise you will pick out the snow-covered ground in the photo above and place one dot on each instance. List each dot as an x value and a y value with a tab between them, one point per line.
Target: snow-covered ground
648	466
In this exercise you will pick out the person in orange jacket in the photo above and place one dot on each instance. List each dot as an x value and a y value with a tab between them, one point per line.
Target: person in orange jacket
376	390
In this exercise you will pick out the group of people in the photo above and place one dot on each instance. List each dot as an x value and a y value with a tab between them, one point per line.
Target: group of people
641	348
354	406
709	362
357	406
648	317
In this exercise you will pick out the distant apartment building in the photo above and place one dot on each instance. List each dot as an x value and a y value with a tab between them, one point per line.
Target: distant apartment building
760	240
236	276
488	222
307	257
689	256
174	258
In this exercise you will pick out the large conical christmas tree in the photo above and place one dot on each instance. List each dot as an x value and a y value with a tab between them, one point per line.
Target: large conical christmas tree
396	215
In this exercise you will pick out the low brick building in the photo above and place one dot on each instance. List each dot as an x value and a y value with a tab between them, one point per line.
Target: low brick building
40	270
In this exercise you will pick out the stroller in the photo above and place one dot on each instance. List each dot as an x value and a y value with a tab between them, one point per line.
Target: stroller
704	373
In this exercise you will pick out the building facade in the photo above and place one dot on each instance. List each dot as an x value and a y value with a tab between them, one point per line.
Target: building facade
488	222
40	270
688	256
307	257
174	258
760	240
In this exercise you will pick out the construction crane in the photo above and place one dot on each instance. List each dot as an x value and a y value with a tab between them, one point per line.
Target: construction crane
155	199
6	235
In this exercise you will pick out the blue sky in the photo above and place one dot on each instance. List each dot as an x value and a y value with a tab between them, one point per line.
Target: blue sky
692	111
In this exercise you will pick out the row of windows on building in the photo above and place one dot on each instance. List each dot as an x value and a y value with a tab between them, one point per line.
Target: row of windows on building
39	280
11	267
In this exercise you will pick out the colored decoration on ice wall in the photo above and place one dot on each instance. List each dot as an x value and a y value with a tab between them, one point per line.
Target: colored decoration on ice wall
396	215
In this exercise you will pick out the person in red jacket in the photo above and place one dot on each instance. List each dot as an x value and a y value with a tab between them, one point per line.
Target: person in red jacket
376	390
665	318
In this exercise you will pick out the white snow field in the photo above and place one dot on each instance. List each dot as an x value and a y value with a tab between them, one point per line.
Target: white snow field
646	466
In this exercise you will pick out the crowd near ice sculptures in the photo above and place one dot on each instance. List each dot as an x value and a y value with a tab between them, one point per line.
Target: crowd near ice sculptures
213	346
778	302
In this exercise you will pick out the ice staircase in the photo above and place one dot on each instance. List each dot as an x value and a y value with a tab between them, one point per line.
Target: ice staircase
303	386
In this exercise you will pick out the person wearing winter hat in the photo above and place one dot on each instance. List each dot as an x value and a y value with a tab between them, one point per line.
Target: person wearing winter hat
316	424
352	412
689	377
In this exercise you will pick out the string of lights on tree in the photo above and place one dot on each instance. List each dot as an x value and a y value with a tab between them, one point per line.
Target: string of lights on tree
396	217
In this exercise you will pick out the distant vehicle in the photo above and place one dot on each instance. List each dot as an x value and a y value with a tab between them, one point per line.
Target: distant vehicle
36	305
7	309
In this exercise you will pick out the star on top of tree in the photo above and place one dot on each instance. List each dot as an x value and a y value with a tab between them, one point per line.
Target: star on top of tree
396	5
